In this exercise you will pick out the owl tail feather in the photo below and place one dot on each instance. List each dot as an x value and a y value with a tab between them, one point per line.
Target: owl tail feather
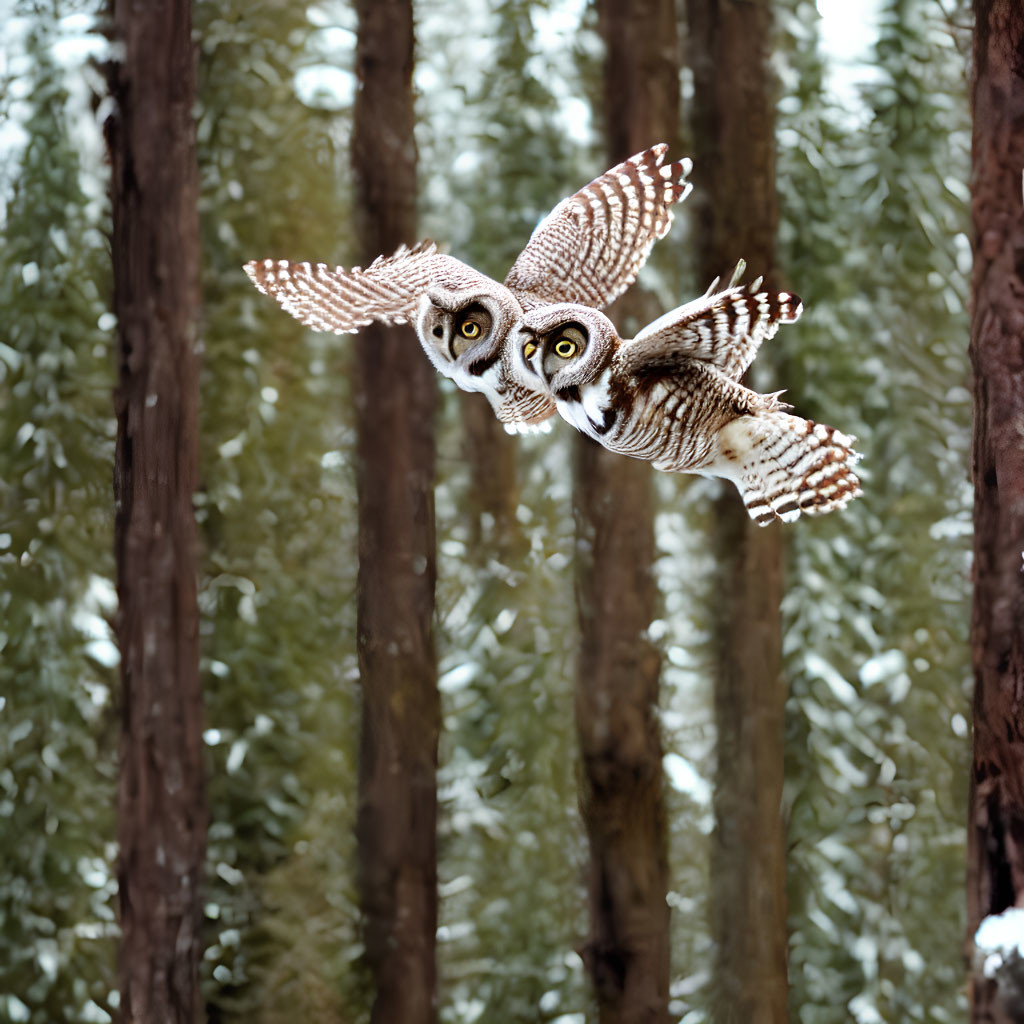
785	465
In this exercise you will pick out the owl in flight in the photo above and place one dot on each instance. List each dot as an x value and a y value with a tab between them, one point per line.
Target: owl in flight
588	249
672	395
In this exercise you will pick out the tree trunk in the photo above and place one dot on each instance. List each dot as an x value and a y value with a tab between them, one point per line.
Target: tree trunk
494	490
622	797
736	211
162	807
395	405
995	835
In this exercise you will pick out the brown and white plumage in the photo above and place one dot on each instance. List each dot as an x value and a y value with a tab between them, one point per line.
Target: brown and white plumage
588	249
672	396
591	246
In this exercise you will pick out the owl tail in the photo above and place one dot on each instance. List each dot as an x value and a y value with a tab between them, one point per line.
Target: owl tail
784	465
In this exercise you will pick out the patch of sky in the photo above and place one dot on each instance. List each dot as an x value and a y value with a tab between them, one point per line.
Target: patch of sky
458	678
848	31
91	619
325	87
684	778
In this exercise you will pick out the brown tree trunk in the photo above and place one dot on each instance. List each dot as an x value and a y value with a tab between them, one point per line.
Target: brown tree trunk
736	210
622	797
162	805
494	490
995	835
395	615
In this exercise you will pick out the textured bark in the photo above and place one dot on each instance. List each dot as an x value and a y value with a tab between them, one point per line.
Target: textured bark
621	799
162	808
395	614
494	490
622	792
748	861
995	874
641	74
736	210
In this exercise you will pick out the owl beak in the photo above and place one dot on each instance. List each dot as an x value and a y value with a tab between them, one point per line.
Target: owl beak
529	337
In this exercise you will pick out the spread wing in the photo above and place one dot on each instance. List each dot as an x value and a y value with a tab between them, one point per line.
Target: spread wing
725	329
592	245
341	301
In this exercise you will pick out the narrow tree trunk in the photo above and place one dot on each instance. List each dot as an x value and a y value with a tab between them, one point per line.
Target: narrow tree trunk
995	835
494	490
736	207
162	807
395	406
622	797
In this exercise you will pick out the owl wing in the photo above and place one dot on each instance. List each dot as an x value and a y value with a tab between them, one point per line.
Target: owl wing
591	246
725	329
341	301
700	420
691	382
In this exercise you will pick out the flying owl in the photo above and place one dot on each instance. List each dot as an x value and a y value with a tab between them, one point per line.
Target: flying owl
672	396
588	249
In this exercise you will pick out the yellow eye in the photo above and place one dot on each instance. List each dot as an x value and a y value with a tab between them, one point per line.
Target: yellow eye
565	348
469	329
529	348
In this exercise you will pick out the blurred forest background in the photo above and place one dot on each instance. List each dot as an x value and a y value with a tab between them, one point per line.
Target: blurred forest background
873	140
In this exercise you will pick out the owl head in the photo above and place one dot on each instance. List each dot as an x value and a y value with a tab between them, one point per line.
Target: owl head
468	334
568	345
462	330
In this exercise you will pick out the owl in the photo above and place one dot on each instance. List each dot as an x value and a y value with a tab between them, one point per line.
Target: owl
588	249
672	396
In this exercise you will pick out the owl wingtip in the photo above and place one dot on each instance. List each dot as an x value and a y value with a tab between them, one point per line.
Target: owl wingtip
424	246
252	270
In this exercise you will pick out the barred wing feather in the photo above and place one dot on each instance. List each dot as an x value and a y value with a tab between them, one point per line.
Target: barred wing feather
591	246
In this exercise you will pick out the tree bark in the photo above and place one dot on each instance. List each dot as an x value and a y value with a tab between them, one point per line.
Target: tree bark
395	602
995	835
491	456
736	214
622	788
162	806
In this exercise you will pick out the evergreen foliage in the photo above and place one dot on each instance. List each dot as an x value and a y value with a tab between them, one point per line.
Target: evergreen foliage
512	852
511	848
877	610
58	746
873	239
684	568
276	512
